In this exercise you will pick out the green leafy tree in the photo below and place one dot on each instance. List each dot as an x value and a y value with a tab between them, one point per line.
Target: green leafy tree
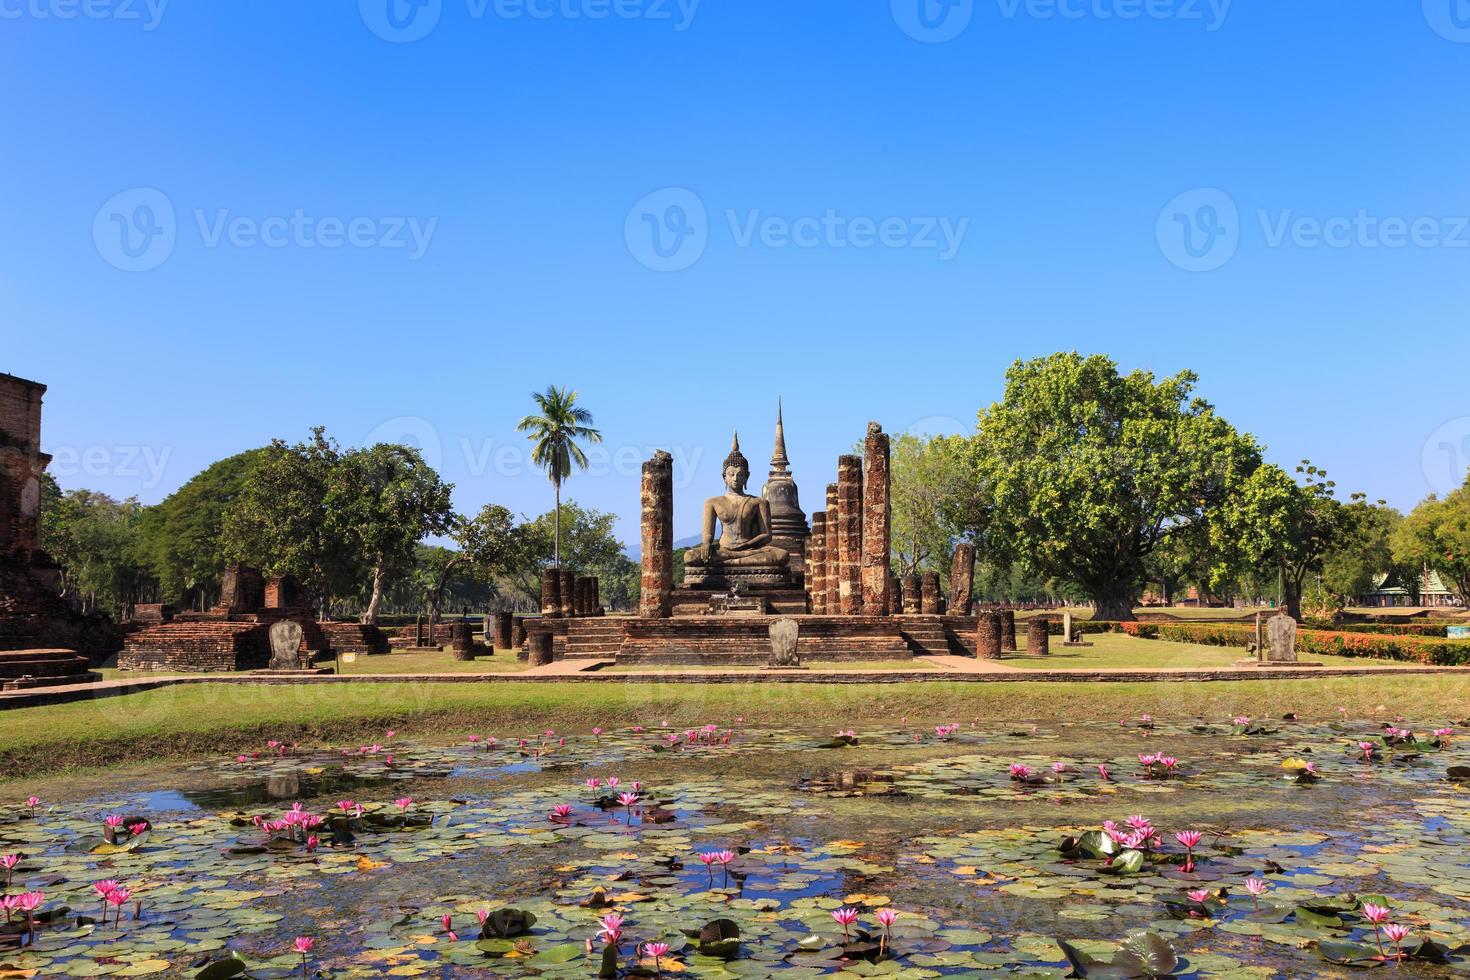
1081	473
590	545
180	538
384	500
488	543
1276	522
94	538
282	522
1436	536
1363	550
554	434
924	473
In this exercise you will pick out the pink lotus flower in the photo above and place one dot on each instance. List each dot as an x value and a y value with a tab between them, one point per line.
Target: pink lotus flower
9	862
1189	838
561	812
118	897
1257	887
390	733
33	802
1367	748
474	739
725	857
1020	772
657	951
1376	915
303	945
113	821
1058	767
1396	934
1102	772
597	733
886	918
845	917
1198	896
448	923
611	929
312	843
482	915
594	783
404	803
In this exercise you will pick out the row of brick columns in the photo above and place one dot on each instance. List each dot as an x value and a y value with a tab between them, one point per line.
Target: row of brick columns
995	633
564	595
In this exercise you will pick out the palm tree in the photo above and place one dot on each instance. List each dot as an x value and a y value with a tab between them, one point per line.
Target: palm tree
554	433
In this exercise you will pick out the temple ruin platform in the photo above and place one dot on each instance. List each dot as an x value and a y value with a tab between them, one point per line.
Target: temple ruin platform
24	669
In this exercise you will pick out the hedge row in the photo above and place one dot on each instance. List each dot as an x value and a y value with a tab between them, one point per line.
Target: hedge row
1318	643
1387	629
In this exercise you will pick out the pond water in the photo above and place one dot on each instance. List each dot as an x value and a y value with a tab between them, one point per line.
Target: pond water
990	845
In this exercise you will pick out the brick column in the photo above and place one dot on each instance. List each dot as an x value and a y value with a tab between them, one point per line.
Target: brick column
834	534
877	515
850	537
503	629
1008	630
961	579
550	593
517	632
568	593
929	594
594	597
658	537
462	641
912	594
987	635
1038	636
541	653
816	580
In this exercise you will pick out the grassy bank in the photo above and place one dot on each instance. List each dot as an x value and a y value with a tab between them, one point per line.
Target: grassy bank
210	719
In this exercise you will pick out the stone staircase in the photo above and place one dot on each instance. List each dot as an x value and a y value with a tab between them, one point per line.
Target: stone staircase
354	638
745	641
594	638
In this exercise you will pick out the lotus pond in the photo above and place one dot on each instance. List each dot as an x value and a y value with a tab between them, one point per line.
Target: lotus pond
1231	848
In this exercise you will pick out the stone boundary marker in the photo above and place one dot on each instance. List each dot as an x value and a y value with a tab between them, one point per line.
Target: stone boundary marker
62	695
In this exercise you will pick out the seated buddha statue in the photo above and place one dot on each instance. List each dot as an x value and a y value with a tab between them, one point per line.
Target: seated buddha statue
745	522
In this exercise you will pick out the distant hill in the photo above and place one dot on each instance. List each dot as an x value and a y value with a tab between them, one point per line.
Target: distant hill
635	550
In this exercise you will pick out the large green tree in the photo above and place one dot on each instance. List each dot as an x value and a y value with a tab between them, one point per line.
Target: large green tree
1363	550
384	500
1436	535
94	538
589	544
1278	522
487	544
554	433
180	537
925	472
1081	472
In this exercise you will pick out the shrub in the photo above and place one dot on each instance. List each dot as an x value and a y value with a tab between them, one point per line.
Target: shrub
1320	643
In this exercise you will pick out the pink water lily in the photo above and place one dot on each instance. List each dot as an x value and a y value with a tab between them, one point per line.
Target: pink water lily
657	951
627	800
845	917
118	897
1189	838
611	929
1020	772
1396	934
447	922
1368	749
9	862
1198	895
886	918
33	802
1257	887
1103	773
1376	915
562	812
303	945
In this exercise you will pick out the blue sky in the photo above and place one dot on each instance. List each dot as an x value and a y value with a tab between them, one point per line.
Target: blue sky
868	209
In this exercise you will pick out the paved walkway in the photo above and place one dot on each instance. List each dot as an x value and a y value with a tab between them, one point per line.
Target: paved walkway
940	669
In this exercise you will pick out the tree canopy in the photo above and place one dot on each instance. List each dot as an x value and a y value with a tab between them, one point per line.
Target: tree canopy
1436	535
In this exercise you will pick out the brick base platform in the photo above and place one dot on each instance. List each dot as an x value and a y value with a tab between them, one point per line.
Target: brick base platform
23	669
236	643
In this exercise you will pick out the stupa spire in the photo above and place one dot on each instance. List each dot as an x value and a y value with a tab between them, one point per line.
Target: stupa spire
779	463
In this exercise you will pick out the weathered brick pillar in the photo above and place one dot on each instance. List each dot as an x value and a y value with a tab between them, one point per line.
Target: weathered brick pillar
550	593
541	651
961	579
834	534
504	626
877	517
1008	630
584	595
518	632
462	640
987	635
568	593
657	584
850	538
929	594
1038	636
594	597
418	633
912	594
816	554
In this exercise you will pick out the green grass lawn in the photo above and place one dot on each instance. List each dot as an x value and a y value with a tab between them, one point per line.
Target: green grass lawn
1120	650
209	719
503	662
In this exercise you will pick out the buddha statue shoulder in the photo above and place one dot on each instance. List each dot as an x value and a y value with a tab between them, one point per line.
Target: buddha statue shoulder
744	522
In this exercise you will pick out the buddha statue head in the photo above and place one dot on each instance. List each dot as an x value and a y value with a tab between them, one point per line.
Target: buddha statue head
736	469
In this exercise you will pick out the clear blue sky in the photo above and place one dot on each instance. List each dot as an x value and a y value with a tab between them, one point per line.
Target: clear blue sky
1052	139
